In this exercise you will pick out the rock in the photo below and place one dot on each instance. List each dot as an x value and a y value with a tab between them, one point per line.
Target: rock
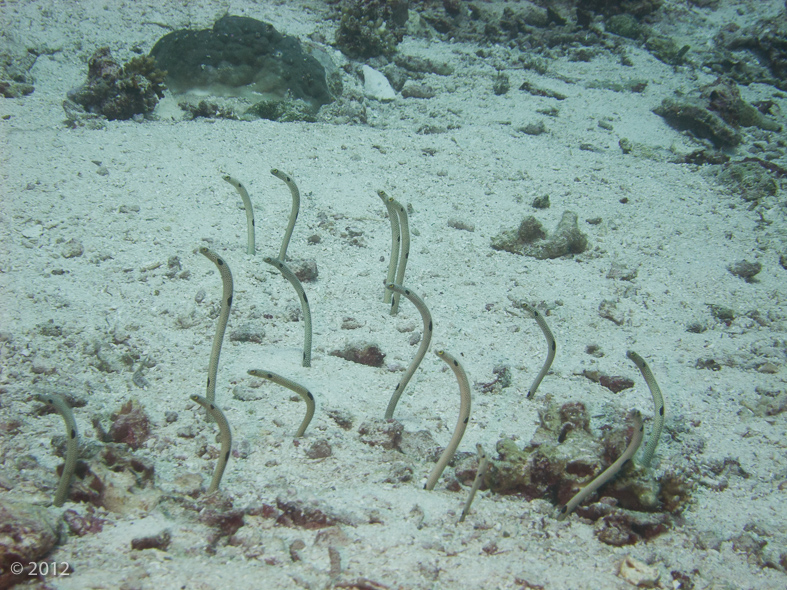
376	85
342	418
27	534
413	89
750	180
530	239
696	118
72	249
745	270
381	433
241	56
724	98
248	333
130	425
305	270
319	449
369	29
115	91
363	353
638	574
16	61
160	541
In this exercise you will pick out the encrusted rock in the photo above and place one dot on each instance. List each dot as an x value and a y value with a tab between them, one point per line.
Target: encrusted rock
241	56
130	425
638	573
27	534
530	239
689	115
363	353
319	449
115	91
383	433
745	270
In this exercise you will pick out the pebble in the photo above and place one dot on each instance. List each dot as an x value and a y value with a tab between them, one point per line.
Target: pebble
72	249
376	85
638	573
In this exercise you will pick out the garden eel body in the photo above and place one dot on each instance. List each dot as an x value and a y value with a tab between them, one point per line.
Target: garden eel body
226	439
244	195
610	471
296	205
483	464
307	314
425	340
551	346
461	424
61	405
396	238
226	304
299	389
404	227
658	402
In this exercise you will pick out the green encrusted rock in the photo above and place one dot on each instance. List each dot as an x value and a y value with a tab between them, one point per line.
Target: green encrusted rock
241	56
625	25
702	122
750	180
369	28
286	111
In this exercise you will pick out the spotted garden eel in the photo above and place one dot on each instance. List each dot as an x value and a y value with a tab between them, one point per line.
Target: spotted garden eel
244	195
551	346
404	228
307	314
226	439
419	355
297	388
396	238
296	205
226	304
658	403
483	465
60	404
461	424
610	471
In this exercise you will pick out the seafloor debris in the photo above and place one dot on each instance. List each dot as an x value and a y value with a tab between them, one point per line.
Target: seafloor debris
115	91
364	353
530	239
27	534
564	455
369	28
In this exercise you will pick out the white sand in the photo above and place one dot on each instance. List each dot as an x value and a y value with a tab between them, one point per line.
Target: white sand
679	231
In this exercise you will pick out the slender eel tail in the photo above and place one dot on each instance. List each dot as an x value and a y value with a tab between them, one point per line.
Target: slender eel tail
551	347
224	315
244	195
658	403
58	402
296	205
419	355
226	439
461	424
396	239
404	227
609	472
305	307
483	465
292	386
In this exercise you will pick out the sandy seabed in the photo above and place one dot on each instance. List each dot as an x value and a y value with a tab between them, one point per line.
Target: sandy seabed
137	194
